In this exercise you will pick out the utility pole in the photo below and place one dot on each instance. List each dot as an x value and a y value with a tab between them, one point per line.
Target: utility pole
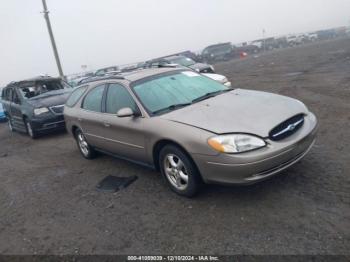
46	16
264	40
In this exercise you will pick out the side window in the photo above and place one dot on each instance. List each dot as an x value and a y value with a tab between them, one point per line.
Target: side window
118	97
15	97
3	94
93	100
8	94
75	96
100	72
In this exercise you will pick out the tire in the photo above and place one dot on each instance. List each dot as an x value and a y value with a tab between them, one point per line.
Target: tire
179	171
85	149
30	131
10	125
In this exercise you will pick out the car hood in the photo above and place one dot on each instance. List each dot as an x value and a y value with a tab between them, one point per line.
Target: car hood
244	111
216	77
200	66
50	99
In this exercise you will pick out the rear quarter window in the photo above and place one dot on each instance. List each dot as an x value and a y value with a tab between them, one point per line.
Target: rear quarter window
75	96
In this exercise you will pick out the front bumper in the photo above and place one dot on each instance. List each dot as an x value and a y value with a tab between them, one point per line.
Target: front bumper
251	167
48	124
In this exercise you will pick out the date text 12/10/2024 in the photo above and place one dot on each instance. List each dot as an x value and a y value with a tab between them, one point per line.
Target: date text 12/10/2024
173	258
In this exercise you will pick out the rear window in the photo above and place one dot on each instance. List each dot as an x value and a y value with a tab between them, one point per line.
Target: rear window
93	100
6	94
75	96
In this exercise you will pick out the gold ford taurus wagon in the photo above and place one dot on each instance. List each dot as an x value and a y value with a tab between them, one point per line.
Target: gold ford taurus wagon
191	128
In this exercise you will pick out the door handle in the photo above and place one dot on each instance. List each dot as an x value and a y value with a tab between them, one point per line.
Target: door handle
106	124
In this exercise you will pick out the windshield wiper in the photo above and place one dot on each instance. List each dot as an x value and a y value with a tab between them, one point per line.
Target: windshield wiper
210	94
172	107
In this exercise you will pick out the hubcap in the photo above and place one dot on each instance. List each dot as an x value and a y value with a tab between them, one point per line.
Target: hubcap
175	171
83	145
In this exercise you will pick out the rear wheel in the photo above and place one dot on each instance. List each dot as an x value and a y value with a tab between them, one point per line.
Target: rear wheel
179	171
85	149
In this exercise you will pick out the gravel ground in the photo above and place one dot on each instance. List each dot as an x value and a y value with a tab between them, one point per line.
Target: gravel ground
49	203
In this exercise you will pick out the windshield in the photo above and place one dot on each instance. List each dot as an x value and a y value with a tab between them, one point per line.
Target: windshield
42	87
179	88
184	61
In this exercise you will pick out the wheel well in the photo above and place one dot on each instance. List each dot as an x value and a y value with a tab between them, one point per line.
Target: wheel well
74	128
158	147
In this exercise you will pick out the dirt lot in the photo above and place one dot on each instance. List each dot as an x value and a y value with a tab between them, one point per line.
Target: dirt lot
49	204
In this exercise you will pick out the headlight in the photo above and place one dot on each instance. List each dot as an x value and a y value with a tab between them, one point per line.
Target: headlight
224	80
41	110
235	143
212	68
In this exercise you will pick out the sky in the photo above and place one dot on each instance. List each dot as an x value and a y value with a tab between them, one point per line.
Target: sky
113	32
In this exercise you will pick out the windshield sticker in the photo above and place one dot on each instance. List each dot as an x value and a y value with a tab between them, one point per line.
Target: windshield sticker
190	74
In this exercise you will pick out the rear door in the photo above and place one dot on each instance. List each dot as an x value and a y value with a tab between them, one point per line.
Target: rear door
91	117
15	110
123	136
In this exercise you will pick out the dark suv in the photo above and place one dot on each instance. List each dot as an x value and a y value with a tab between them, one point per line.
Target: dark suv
218	52
35	105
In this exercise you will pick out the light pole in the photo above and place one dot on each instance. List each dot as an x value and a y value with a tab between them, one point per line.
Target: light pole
46	16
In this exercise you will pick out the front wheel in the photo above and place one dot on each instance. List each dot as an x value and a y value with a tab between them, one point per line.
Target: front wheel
30	131
85	149
9	122
179	171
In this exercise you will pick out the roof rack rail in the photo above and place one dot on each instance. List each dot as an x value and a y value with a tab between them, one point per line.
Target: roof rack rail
99	78
164	66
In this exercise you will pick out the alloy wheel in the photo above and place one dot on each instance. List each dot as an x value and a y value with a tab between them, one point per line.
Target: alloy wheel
175	171
83	145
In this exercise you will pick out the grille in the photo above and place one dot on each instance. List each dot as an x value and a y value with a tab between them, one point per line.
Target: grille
58	110
287	128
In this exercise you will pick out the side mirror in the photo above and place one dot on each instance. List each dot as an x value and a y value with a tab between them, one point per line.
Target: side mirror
125	112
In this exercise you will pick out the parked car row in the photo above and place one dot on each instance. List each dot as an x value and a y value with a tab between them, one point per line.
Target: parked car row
226	51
